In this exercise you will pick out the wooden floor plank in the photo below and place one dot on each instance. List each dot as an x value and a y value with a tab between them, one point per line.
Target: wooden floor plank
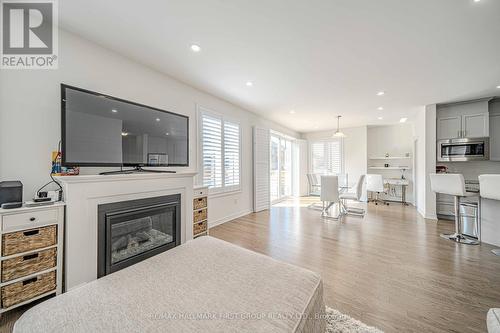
390	269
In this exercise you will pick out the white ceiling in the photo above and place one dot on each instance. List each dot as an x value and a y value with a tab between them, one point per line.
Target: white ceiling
318	57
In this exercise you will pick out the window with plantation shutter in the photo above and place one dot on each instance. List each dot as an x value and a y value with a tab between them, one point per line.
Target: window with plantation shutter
231	154
211	147
220	152
326	157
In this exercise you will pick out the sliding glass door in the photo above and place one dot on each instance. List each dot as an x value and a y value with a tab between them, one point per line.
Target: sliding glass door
281	167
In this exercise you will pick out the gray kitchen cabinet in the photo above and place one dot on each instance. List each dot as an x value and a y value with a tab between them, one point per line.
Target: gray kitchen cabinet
445	205
463	120
448	127
475	125
495	131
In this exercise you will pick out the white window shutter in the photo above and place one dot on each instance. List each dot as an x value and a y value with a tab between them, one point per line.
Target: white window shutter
211	141
326	157
231	155
261	169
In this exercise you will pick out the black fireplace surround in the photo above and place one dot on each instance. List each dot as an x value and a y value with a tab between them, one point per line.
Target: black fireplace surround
131	231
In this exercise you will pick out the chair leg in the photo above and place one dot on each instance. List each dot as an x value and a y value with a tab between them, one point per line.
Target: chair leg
457	236
352	210
325	213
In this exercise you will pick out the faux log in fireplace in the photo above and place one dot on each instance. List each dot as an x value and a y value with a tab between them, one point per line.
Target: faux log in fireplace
131	231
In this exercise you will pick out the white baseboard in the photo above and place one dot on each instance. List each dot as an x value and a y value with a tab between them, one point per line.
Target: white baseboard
427	217
228	218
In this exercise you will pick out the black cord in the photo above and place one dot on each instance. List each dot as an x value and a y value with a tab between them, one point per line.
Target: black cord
41	188
52	177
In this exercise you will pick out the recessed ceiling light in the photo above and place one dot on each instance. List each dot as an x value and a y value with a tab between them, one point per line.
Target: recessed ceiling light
380	108
157	119
498	87
380	118
114	111
167	133
195	48
381	93
124	133
403	120
249	83
477	0
292	111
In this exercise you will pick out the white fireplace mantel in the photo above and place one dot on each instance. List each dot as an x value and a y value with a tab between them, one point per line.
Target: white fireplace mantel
83	194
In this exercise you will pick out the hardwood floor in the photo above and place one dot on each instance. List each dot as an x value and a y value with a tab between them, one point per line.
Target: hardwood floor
390	269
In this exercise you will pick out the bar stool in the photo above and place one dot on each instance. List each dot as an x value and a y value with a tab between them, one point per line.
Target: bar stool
489	187
454	184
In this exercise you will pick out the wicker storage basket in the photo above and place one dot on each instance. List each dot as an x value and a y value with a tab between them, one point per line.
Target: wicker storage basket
199	203
200	215
28	264
18	292
28	240
199	227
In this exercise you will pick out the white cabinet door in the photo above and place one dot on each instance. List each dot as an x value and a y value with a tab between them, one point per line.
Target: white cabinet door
495	137
449	127
475	125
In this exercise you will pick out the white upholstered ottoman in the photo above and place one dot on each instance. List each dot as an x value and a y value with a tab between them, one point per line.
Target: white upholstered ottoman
493	321
205	285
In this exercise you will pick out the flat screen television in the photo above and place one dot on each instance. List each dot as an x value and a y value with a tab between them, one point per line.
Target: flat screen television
101	131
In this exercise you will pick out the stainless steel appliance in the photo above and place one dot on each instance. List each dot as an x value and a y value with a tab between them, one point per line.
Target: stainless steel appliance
465	149
469	219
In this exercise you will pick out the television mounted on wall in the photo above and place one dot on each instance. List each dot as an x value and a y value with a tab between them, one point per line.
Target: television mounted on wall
104	131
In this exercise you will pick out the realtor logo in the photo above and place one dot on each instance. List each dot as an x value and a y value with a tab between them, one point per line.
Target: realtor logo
29	34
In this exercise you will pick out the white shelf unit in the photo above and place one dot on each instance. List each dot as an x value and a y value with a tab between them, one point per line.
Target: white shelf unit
389	168
29	223
391	158
387	176
200	211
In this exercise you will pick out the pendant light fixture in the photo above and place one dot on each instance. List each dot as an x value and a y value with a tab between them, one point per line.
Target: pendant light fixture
338	133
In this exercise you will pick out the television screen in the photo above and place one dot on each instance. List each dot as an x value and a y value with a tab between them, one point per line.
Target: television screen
100	130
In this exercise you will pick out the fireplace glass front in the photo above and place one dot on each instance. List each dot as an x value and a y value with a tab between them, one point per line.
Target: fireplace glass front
133	231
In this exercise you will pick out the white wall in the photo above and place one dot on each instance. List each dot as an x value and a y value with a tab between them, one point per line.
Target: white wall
425	134
355	149
30	114
395	140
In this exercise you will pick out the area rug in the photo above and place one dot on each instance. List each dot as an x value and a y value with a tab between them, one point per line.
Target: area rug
337	322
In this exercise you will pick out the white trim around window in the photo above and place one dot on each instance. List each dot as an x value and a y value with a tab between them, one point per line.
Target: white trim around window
219	152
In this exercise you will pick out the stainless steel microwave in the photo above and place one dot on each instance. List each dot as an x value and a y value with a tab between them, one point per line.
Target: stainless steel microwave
462	150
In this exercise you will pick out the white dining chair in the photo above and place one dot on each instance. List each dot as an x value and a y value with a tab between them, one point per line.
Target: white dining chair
314	190
453	184
343	181
489	188
330	195
314	184
354	196
375	184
